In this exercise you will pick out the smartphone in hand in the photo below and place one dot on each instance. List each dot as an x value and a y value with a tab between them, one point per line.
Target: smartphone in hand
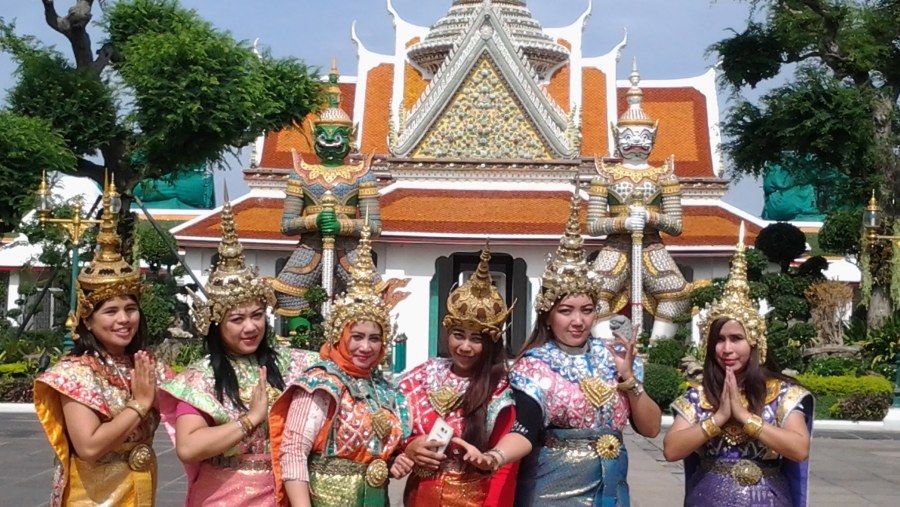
441	432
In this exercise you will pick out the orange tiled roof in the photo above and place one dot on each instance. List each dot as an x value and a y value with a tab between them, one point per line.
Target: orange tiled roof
558	88
594	124
473	212
277	147
377	109
683	128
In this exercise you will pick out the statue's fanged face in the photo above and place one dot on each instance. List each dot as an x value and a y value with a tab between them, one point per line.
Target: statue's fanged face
332	143
635	143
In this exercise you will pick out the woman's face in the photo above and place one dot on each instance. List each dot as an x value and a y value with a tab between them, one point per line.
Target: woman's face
466	344
365	344
732	347
571	320
114	323
243	328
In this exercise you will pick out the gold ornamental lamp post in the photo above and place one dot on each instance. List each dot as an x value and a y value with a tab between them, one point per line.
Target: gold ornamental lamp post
872	217
75	228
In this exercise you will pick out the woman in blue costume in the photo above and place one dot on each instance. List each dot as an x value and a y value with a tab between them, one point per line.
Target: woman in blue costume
574	395
744	433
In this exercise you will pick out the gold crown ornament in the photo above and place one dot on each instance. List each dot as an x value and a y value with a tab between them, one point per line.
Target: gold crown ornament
736	304
231	282
363	300
333	114
477	302
108	275
567	272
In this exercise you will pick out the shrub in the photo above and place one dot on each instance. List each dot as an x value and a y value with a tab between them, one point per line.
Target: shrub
834	366
863	407
667	352
843	386
824	405
662	383
781	242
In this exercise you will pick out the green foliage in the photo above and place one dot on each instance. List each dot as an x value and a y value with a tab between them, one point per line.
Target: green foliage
750	56
30	345
75	103
662	383
789	307
781	243
845	385
834	366
785	342
813	267
152	248
196	89
702	296
308	333
862	407
667	353
757	263
880	347
15	369
841	232
825	403
25	144
158	305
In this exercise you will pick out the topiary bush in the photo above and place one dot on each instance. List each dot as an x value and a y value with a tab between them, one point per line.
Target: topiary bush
662	384
781	242
844	385
862	407
667	352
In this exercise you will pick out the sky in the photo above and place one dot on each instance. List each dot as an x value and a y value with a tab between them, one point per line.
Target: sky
668	37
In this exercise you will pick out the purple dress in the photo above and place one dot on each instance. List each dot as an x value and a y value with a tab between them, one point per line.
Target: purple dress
733	469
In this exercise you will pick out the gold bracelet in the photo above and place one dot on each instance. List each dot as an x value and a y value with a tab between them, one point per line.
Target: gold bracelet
137	407
754	426
627	385
495	460
246	424
710	428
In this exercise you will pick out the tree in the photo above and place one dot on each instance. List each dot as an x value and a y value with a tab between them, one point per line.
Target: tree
840	108
781	242
841	233
164	91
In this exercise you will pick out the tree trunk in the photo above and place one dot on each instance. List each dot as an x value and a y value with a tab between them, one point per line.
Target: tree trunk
879	308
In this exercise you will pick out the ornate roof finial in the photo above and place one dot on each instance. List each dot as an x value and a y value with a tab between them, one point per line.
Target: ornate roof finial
567	272
333	114
736	304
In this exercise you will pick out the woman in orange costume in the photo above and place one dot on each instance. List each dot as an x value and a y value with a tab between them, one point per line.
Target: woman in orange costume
470	392
97	404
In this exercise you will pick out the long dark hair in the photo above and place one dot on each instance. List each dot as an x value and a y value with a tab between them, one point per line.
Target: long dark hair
540	333
487	373
755	375
87	343
223	372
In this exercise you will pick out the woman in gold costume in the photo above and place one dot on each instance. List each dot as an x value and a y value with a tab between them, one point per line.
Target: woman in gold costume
337	427
216	409
97	404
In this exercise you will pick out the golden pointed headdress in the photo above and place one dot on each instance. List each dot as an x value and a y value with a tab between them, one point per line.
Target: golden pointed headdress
108	275
477	302
231	282
567	272
736	304
363	300
635	114
333	114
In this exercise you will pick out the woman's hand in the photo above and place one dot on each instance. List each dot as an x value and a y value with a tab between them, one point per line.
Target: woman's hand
624	355
402	466
473	456
143	379
738	411
723	414
259	400
424	453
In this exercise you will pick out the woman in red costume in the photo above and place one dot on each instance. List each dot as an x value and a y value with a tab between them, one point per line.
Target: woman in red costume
470	392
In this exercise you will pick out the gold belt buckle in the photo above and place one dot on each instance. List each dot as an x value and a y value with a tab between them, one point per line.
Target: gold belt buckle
608	446
377	473
746	472
140	458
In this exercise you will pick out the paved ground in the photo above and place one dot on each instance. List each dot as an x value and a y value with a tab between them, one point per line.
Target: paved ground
849	468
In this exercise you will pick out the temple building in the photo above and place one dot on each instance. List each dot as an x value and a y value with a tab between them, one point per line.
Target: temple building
476	128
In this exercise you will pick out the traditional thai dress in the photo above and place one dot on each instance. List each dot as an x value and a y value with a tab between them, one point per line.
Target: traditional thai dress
582	460
432	390
124	476
243	474
356	425
733	469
